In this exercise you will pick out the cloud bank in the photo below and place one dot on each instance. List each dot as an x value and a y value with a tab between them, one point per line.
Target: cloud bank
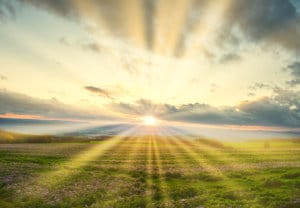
15	103
282	110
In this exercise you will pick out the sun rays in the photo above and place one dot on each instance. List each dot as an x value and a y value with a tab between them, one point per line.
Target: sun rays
195	59
148	166
157	187
71	167
163	27
136	103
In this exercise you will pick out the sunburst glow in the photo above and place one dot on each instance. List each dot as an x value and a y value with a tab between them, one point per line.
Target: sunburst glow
149	120
149	103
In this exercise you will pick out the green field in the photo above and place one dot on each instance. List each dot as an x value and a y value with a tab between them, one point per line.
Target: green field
151	171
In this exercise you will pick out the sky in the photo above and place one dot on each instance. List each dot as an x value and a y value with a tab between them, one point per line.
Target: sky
222	63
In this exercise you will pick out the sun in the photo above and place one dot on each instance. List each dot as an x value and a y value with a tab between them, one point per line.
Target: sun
149	120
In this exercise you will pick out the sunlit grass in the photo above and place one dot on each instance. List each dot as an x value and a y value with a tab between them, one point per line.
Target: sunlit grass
151	171
149	181
74	165
160	172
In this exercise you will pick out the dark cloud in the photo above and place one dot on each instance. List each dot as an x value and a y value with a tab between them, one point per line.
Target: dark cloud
143	107
297	4
99	91
282	109
21	104
60	7
196	112
270	22
266	112
261	18
294	70
293	82
259	86
7	10
229	57
273	21
286	97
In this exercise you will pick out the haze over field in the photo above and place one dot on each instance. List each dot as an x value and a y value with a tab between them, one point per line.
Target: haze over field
228	65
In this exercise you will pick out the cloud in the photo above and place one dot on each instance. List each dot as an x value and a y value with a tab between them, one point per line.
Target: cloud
15	103
64	8
99	91
261	18
281	109
143	107
229	57
273	21
293	82
268	112
286	97
258	86
265	112
268	22
91	45
7	10
294	70
193	112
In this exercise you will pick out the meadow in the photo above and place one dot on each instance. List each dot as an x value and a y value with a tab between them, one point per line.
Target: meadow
150	171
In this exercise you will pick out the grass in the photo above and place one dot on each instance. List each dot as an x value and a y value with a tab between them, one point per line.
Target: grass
150	171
